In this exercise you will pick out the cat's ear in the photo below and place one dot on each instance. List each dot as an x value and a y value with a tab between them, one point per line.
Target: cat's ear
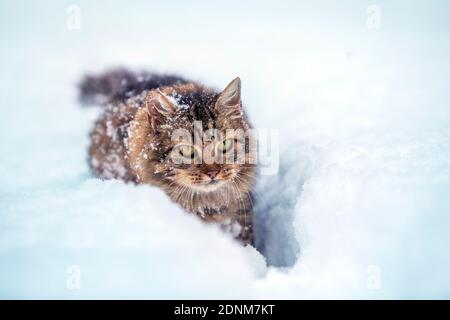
230	98
159	109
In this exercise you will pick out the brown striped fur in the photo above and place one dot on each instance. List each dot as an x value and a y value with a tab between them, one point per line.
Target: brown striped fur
132	140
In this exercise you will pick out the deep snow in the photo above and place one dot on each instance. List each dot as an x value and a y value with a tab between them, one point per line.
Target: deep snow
360	207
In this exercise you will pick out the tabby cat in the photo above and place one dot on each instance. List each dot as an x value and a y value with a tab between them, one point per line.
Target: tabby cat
133	140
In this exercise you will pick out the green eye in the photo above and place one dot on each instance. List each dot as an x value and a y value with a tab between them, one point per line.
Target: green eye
187	151
225	145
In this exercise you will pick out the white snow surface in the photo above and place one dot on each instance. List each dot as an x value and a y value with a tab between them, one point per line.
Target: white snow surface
360	207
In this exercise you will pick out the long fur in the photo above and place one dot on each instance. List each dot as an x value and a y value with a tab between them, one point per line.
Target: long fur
120	84
132	139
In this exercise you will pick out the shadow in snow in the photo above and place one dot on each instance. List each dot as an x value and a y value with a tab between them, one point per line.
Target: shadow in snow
275	202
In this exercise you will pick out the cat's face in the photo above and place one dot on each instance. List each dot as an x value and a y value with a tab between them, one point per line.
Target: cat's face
202	141
218	161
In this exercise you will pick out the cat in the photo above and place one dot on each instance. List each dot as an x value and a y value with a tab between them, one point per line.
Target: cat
133	140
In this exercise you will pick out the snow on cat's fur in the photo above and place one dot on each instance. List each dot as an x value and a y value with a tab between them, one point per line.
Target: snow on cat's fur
133	140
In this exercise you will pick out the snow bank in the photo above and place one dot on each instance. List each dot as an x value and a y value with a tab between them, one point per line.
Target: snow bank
358	209
120	237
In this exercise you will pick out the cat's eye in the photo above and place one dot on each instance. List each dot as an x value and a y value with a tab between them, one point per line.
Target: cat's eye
187	151
225	145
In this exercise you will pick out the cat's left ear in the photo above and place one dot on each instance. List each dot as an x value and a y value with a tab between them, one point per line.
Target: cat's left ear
159	109
230	98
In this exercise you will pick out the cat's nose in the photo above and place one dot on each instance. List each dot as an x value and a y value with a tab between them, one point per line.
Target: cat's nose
213	173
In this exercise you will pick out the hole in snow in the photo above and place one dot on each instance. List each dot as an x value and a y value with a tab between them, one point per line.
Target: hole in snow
275	208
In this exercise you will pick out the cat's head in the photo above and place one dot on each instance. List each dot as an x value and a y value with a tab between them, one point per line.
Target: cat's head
219	160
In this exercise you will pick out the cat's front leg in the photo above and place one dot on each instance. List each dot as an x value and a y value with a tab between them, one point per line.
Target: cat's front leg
236	220
245	220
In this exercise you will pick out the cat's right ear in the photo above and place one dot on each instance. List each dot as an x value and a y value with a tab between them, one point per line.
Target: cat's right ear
159	109
231	96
